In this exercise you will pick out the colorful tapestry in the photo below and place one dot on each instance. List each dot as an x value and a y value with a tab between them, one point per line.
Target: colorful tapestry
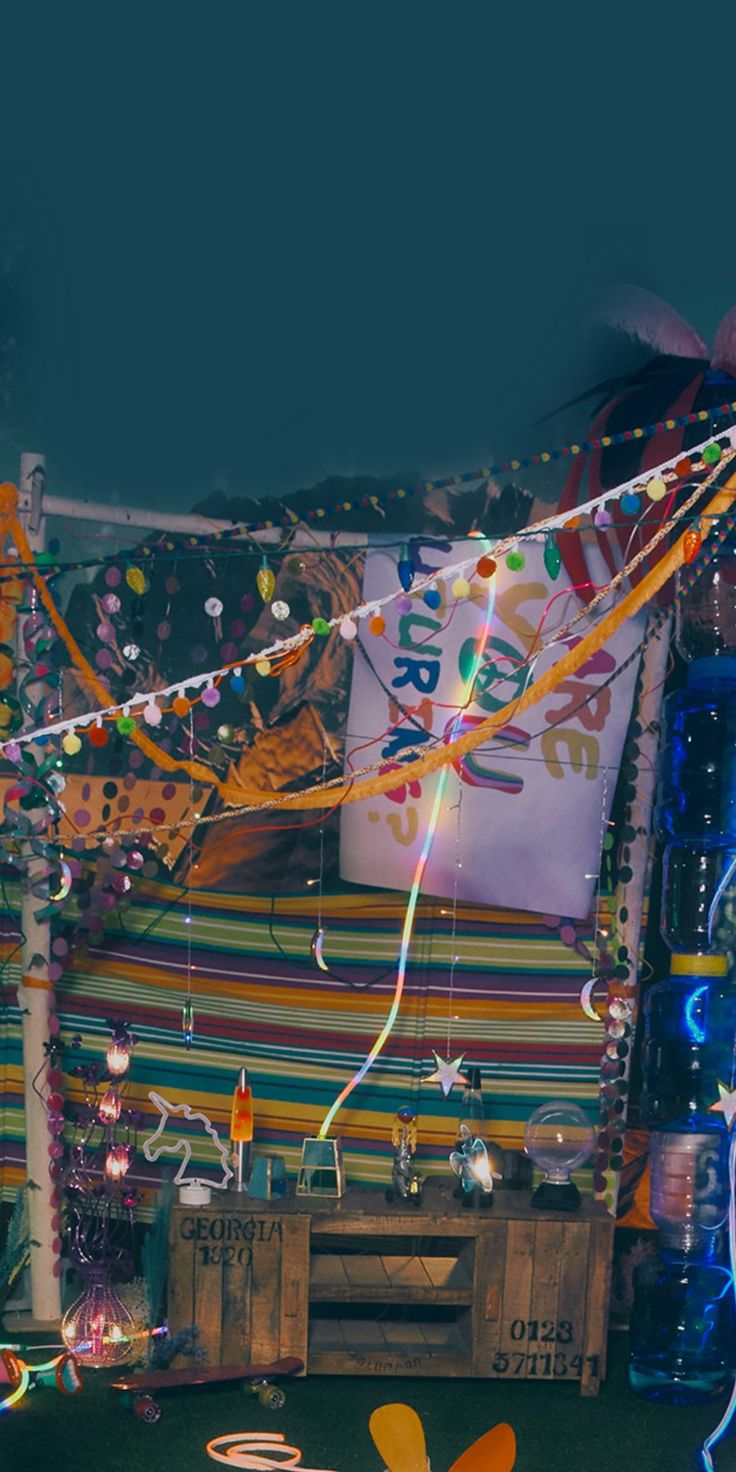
259	1000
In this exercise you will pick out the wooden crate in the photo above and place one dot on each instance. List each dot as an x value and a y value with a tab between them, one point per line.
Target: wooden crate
240	1274
360	1288
511	1293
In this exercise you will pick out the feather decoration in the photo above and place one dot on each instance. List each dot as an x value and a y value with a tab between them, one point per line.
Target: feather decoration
644	316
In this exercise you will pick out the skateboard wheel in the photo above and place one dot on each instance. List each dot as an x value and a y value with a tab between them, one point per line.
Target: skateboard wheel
272	1396
145	1408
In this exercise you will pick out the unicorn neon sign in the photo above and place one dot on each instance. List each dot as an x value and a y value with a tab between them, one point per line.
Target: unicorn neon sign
155	1145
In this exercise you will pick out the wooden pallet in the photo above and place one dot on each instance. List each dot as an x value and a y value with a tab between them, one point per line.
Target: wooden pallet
360	1288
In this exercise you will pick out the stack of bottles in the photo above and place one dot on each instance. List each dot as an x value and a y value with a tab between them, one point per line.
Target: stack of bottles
683	1328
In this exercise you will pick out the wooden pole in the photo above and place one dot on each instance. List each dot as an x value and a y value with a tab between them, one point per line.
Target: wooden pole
623	997
35	999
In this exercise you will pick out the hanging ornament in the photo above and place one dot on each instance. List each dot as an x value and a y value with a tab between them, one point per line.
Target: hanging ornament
320	626
630	503
348	629
187	1023
211	696
656	488
684	467
515	561
712	454
405	569
486	566
265	581
225	733
432	597
602	518
131	651
692	543
460	588
152	714
180	705
315	946
98	736
725	1104
377	625
213	609
447	1073
280	609
136	580
552	558
263	666
71	743
237	682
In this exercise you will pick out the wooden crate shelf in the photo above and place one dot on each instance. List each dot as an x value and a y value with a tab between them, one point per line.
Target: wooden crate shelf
359	1288
351	1278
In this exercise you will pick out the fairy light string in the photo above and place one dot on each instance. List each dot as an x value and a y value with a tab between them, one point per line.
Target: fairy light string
289	519
294	645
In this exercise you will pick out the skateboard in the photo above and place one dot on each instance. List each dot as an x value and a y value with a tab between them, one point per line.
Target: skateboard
144	1387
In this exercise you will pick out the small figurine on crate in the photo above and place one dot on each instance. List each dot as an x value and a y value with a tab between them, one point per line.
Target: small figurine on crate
405	1183
471	1164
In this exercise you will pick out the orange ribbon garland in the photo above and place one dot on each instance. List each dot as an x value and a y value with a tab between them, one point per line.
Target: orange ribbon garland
431	761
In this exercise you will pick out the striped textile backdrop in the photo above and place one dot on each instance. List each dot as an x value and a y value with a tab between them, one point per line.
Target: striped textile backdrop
259	1000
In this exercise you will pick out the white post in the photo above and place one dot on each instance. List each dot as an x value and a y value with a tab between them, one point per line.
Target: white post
34	996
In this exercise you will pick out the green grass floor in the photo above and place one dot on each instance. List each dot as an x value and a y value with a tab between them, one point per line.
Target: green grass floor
557	1430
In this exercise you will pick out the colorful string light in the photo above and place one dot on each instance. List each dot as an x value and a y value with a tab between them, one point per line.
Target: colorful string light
290	519
421	865
282	652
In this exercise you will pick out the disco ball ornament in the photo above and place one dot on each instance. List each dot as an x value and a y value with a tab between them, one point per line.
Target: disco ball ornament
559	1138
280	609
131	651
97	1329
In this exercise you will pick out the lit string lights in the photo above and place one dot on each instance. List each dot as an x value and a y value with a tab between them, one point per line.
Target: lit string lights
290	520
421	865
281	652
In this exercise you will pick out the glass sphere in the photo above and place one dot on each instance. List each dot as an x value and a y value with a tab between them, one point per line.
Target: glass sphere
559	1138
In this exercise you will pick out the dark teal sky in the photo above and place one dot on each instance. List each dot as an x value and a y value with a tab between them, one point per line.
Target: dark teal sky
260	244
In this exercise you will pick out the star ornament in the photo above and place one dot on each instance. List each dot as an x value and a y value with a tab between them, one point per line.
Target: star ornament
725	1104
447	1073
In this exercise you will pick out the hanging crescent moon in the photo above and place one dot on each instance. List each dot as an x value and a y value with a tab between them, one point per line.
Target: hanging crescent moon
586	998
66	882
316	944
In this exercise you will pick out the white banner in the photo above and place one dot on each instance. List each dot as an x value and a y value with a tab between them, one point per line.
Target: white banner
537	796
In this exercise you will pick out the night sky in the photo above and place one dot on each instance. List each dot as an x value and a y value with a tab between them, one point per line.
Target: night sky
248	246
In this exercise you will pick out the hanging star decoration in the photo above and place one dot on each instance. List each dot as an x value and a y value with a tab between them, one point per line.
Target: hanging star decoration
447	1073
725	1104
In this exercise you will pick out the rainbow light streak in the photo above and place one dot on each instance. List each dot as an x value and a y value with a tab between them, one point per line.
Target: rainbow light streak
422	861
725	1421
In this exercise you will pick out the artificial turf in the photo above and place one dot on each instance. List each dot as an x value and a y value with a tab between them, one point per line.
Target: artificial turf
557	1429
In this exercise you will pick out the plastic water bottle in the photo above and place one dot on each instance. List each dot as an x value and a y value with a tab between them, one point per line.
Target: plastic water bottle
696	806
689	1032
683	1324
